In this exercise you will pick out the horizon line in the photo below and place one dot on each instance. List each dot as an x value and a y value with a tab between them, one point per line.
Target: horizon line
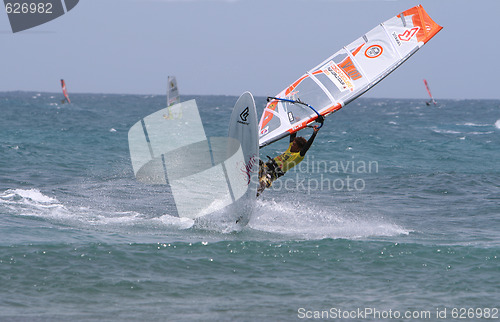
233	95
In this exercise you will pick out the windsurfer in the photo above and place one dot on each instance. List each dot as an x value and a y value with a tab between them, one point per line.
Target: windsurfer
65	93
278	166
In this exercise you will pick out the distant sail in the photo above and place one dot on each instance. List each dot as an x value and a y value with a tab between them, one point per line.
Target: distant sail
347	74
429	91
172	92
65	92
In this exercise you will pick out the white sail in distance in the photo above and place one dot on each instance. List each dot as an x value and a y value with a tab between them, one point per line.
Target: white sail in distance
172	91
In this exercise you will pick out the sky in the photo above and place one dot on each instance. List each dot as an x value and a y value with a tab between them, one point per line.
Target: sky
226	47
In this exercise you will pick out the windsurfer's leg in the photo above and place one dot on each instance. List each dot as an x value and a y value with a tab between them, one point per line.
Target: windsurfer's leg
265	178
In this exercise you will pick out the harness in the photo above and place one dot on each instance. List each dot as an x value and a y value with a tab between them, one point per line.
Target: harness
273	169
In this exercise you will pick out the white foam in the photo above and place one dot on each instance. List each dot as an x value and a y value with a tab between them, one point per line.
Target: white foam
33	195
480	133
297	220
497	124
309	222
182	223
446	131
473	124
32	202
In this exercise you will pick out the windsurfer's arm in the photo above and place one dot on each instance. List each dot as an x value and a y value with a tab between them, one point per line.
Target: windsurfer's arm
309	142
292	136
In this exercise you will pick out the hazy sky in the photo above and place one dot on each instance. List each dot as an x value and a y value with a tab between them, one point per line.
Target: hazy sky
228	47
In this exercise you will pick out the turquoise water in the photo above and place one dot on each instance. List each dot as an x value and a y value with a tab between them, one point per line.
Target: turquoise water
396	208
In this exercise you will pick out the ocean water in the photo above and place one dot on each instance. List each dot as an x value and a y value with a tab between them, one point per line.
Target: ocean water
393	215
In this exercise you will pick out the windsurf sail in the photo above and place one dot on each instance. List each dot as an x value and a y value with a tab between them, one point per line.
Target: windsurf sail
65	92
347	74
172	92
429	91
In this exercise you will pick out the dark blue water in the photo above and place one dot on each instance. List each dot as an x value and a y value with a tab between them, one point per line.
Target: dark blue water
396	208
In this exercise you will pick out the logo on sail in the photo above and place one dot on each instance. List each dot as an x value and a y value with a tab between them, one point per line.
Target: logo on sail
349	68
373	51
408	34
337	76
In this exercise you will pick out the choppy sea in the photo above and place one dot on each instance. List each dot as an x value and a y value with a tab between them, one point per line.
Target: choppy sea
393	215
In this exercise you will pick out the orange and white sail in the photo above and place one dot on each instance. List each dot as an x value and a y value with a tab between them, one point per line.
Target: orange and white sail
65	92
430	94
347	74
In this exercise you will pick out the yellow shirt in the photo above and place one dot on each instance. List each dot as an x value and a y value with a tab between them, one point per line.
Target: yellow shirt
288	159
